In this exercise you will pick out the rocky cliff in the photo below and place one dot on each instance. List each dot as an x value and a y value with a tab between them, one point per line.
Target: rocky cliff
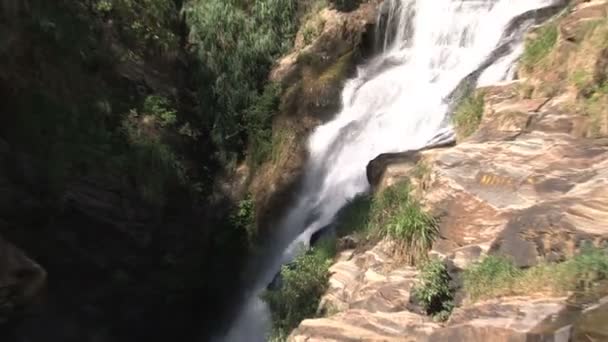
328	46
530	183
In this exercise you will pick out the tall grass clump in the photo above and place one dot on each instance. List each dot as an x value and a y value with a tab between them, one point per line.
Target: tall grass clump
399	217
540	46
468	114
494	276
236	43
498	276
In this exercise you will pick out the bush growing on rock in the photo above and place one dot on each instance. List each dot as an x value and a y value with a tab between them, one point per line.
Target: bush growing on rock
393	214
303	283
237	43
433	291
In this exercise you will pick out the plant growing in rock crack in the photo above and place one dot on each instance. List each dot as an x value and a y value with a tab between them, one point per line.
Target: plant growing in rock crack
498	276
468	114
399	217
303	283
433	291
540	46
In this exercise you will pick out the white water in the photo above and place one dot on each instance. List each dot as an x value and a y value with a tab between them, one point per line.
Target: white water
397	102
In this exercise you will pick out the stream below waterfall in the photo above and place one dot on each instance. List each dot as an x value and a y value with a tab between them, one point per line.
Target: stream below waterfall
398	101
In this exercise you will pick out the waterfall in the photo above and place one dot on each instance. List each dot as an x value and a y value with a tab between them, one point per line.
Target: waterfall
398	101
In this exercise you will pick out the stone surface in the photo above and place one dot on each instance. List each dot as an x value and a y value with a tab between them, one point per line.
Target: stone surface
313	75
508	320
360	325
22	280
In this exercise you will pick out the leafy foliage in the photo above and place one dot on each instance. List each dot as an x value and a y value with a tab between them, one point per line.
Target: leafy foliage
304	282
433	290
146	25
244	218
236	45
258	121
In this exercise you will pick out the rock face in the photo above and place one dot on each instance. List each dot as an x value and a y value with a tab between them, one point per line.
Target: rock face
531	183
372	293
524	185
312	76
21	280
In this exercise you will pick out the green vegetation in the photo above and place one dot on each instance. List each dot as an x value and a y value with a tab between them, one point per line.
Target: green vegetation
493	276
541	45
497	276
303	283
147	26
354	218
236	42
259	124
393	214
396	215
433	291
468	115
243	218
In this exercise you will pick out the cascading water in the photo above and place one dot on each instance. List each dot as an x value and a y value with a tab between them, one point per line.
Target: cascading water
398	101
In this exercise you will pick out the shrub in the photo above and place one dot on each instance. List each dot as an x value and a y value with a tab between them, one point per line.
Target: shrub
145	24
160	107
243	218
468	114
236	45
539	47
433	291
149	159
258	119
303	283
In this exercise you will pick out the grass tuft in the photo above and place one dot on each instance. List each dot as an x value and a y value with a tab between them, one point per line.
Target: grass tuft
497	276
399	217
468	114
540	46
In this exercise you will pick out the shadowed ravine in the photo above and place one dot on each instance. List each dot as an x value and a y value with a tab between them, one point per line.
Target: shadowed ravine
429	53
